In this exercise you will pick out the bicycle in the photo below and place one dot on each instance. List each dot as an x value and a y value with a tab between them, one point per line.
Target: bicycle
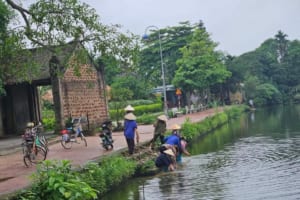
33	150
41	140
70	134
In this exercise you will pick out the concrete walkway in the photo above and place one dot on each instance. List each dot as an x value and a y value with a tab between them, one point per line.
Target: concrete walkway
15	176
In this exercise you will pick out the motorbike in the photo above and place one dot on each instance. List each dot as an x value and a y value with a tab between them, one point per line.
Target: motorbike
106	135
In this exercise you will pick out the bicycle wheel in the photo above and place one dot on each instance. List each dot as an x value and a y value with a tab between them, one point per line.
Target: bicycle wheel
26	157
66	144
38	155
27	160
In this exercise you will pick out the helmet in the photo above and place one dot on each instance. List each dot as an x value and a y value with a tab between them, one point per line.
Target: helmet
30	125
106	123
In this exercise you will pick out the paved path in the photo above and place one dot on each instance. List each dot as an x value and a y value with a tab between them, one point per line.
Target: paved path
14	175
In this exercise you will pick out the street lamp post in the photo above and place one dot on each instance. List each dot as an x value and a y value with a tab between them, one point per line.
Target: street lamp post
145	36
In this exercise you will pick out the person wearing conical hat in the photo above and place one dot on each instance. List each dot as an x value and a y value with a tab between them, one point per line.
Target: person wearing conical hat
128	109
130	131
166	160
173	141
160	127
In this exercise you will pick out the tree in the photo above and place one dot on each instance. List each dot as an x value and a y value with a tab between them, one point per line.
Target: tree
119	95
267	94
172	39
49	23
11	44
282	43
132	83
272	66
200	66
110	67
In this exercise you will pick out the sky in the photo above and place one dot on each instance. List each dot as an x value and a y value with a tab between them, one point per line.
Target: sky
238	26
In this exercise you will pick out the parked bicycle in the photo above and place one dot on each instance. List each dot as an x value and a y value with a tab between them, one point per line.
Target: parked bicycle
41	140
34	148
71	134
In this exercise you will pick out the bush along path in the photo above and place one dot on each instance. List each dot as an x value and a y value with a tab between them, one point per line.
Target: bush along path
59	180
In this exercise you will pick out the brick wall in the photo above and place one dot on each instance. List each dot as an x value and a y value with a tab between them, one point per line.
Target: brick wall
83	95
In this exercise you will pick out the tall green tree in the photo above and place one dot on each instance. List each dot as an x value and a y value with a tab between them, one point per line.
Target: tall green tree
132	83
11	44
200	66
172	39
282	43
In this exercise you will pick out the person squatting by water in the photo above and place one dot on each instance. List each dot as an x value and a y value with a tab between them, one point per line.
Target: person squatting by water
130	129
166	159
160	127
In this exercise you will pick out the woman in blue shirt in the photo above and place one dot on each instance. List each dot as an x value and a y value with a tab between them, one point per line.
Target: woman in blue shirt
130	131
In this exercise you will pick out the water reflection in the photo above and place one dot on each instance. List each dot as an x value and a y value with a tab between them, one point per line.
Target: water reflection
255	157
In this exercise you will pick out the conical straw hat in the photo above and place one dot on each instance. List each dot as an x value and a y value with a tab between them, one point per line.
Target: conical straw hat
129	108
130	116
162	118
175	127
169	152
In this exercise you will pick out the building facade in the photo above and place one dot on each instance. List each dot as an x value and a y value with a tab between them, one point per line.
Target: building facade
78	91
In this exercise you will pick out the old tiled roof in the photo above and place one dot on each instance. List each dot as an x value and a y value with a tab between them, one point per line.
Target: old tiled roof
41	57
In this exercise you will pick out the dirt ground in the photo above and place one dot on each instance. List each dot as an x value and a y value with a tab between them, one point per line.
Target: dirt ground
14	175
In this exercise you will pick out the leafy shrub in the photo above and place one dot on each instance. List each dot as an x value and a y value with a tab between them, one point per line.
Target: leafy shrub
47	105
190	130
109	172
133	103
235	111
218	120
267	94
151	108
55	180
147	118
138	110
48	120
48	123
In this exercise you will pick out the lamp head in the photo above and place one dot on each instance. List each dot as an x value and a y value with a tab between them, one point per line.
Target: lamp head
145	37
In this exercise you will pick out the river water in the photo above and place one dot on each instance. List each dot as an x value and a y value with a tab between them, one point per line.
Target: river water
254	157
